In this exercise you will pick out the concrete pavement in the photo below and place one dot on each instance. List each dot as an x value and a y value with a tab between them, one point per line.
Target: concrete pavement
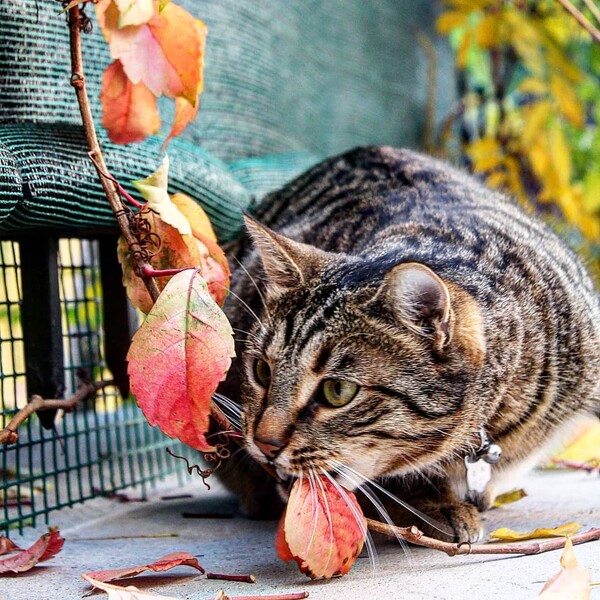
236	545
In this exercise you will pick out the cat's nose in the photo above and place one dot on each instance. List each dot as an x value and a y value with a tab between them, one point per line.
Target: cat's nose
270	448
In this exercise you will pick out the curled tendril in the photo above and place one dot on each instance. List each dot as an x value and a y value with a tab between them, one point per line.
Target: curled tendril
220	454
148	243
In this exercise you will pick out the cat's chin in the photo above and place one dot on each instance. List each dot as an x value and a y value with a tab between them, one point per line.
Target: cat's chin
286	481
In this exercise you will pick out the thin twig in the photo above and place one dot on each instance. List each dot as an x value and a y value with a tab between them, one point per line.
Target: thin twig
226	577
110	189
581	19
415	536
292	596
593	9
9	434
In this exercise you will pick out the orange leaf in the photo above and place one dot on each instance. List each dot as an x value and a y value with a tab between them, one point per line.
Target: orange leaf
178	357
129	111
164	563
213	262
177	251
323	528
48	546
185	113
166	53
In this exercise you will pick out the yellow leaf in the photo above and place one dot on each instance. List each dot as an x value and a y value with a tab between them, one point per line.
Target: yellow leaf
496	180
585	448
560	155
450	20
509	497
567	100
463	51
488	31
572	582
543	532
154	190
535	117
591	191
533	85
485	153
195	214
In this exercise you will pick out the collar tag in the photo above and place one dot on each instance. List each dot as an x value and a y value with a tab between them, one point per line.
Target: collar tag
479	467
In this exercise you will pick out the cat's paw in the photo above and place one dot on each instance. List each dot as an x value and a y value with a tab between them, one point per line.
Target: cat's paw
460	522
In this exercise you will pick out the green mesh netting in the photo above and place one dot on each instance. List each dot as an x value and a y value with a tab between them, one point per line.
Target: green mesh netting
287	83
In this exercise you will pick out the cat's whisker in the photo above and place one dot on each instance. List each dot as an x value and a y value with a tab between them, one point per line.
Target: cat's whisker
374	501
248	333
261	295
315	514
245	305
231	410
327	514
369	545
435	524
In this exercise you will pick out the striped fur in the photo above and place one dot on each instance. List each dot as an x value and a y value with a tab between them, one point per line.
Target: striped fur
519	354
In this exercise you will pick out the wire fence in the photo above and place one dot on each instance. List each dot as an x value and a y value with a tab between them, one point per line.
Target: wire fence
102	446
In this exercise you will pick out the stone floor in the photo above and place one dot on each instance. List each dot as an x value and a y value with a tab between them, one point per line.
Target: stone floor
105	534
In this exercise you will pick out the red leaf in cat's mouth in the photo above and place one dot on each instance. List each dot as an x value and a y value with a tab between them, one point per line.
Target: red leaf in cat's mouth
323	528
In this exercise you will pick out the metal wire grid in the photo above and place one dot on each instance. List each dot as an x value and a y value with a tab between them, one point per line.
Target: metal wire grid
103	446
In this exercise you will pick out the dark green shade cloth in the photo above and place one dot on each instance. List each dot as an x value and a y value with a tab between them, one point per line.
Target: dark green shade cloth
287	83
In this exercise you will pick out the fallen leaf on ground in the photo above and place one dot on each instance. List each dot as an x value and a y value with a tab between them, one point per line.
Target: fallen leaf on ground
43	549
323	528
178	357
176	559
543	532
7	545
116	592
572	582
509	497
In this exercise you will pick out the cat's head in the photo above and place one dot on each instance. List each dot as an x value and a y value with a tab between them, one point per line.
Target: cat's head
363	363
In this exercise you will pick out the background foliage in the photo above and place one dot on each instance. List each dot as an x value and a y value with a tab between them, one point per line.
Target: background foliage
528	76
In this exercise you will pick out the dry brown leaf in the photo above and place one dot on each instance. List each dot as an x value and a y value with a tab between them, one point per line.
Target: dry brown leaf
116	592
170	561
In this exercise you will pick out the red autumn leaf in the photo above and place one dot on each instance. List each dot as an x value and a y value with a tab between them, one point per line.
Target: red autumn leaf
7	546
43	549
129	111
323	528
178	357
166	53
164	563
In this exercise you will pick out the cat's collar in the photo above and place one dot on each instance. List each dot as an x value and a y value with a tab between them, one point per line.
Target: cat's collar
478	465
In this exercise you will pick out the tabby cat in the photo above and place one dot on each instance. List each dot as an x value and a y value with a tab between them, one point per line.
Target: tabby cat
391	313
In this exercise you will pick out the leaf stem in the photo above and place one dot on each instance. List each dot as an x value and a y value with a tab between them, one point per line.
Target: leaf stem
415	536
110	189
149	271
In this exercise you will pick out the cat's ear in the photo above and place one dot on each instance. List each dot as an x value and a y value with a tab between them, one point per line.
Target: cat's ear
421	301
288	264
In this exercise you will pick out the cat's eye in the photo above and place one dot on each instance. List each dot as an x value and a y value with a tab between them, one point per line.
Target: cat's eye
338	392
262	372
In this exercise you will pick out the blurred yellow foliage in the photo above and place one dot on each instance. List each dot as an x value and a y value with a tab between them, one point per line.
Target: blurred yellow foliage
523	142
